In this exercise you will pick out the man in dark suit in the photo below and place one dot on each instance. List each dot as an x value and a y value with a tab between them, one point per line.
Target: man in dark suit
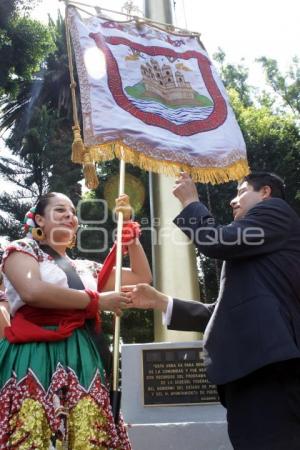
252	332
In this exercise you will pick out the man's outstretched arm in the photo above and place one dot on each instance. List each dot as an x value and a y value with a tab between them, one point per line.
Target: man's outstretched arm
178	314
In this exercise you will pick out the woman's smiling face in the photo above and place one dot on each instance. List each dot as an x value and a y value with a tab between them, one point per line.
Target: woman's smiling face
59	221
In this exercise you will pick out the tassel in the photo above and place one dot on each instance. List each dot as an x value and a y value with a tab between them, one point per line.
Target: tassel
89	171
77	146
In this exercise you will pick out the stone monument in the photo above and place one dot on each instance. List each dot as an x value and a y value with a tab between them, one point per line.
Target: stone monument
167	400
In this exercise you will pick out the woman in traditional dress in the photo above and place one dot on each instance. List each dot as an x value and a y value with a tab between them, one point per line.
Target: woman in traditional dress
53	392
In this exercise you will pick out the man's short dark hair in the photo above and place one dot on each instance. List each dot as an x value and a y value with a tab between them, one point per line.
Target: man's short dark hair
260	179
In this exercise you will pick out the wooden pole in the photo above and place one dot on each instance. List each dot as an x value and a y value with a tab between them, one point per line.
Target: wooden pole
115	392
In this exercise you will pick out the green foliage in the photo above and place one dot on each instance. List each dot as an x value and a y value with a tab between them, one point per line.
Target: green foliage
273	143
56	78
14	212
11	8
40	123
137	326
286	86
43	165
50	86
45	154
24	43
234	77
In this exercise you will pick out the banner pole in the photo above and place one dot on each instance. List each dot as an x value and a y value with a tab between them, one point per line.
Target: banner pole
115	394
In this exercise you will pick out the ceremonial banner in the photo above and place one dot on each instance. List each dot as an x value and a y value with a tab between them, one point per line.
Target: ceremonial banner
155	96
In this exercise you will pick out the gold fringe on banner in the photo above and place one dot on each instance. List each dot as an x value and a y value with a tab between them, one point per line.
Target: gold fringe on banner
213	175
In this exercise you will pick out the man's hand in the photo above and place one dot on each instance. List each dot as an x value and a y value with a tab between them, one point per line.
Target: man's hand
143	296
185	189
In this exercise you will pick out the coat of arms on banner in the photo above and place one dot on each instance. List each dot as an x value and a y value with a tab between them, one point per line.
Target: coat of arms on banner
168	90
157	96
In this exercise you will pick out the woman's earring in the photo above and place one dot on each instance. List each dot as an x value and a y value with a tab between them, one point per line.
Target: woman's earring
72	242
38	234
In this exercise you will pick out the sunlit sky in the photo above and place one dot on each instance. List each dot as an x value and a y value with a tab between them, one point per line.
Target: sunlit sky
242	28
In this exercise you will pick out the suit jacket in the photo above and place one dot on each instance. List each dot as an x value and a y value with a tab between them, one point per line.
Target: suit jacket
256	318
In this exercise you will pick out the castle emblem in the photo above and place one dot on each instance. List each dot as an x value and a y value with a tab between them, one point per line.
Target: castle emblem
160	83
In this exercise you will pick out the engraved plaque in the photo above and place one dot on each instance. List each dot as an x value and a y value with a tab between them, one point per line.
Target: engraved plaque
176	377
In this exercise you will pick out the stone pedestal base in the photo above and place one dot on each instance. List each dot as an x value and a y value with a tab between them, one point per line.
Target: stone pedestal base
164	427
180	436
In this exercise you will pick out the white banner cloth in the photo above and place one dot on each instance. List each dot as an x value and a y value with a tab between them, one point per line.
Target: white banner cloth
156	96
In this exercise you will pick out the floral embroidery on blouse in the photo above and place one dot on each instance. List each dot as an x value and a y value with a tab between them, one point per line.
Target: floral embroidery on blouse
32	248
28	246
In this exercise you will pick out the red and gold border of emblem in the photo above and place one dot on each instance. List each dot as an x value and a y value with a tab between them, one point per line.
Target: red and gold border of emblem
213	121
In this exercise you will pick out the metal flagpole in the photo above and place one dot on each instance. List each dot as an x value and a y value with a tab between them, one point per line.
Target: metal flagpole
115	393
170	254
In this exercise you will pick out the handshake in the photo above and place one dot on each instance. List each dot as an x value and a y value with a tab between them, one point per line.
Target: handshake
141	296
144	296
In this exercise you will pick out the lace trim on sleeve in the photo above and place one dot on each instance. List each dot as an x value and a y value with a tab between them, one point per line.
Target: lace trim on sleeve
27	246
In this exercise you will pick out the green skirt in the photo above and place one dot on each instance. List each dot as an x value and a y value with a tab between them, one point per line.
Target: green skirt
53	395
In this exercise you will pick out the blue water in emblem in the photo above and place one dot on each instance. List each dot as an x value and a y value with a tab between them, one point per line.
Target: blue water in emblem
178	116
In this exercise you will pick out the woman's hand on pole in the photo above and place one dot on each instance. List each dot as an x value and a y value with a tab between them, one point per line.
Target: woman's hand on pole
113	301
123	206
